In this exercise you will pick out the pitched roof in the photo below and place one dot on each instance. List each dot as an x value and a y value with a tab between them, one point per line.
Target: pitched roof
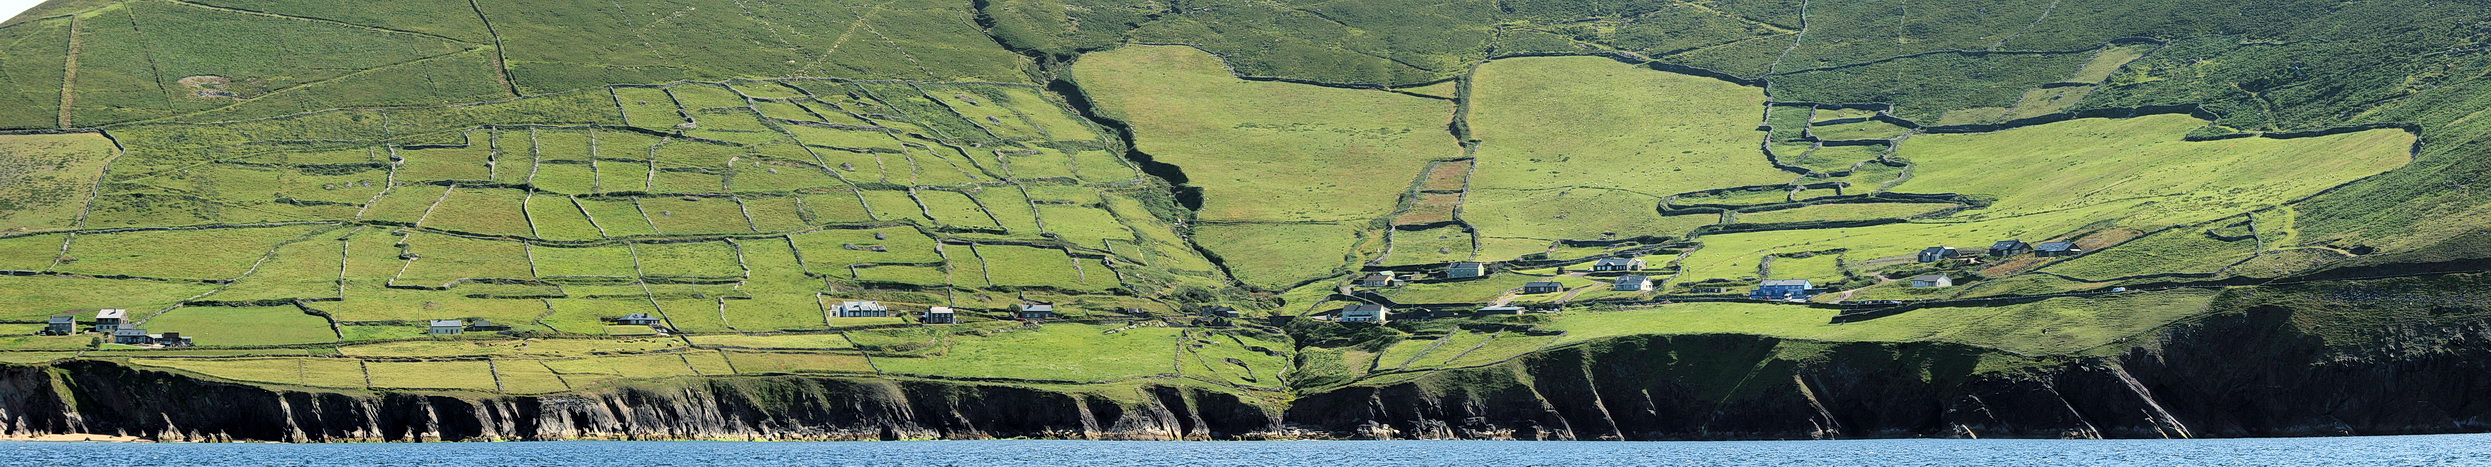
940	310
2056	246
1543	284
129	332
114	313
448	322
64	319
1632	279
636	316
1363	308
1037	307
1936	249
1928	278
862	305
1468	265
1786	282
1376	277
1614	262
2008	244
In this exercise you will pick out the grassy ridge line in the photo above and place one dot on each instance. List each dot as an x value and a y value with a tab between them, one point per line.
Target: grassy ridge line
69	74
318	20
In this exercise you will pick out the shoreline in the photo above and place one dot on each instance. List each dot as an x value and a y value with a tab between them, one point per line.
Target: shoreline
76	438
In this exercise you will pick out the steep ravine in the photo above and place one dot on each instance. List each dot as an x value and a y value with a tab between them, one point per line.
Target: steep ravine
2249	374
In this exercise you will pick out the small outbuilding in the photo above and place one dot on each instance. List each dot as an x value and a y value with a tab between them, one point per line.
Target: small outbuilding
1034	311
1220	311
2056	249
863	309
1464	270
1542	287
1932	280
1936	254
637	319
1365	314
447	327
1617	265
940	315
1632	284
2010	248
1379	280
485	325
170	339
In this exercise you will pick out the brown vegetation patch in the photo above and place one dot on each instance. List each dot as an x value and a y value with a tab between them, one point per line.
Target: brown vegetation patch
1431	208
1446	176
209	87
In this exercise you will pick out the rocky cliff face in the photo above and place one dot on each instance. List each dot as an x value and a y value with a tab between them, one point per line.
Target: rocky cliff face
104	398
2248	374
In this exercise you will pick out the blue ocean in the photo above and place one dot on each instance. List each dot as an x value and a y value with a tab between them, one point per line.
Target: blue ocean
2328	452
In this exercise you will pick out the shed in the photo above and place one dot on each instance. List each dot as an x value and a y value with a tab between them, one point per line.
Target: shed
2010	248
1542	287
1936	254
863	309
447	327
1220	311
637	319
1632	284
1365	314
2053	249
1466	270
1034	311
1617	265
1932	280
940	315
484	325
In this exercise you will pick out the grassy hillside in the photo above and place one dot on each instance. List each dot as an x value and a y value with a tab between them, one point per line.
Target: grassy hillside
300	186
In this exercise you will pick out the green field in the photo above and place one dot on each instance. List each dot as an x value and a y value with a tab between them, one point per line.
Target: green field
1583	147
2135	173
1244	143
1033	354
230	326
45	181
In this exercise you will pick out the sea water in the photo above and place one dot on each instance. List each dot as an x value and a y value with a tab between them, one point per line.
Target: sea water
2325	452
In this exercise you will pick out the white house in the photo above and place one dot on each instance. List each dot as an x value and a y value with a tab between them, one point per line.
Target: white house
1365	314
